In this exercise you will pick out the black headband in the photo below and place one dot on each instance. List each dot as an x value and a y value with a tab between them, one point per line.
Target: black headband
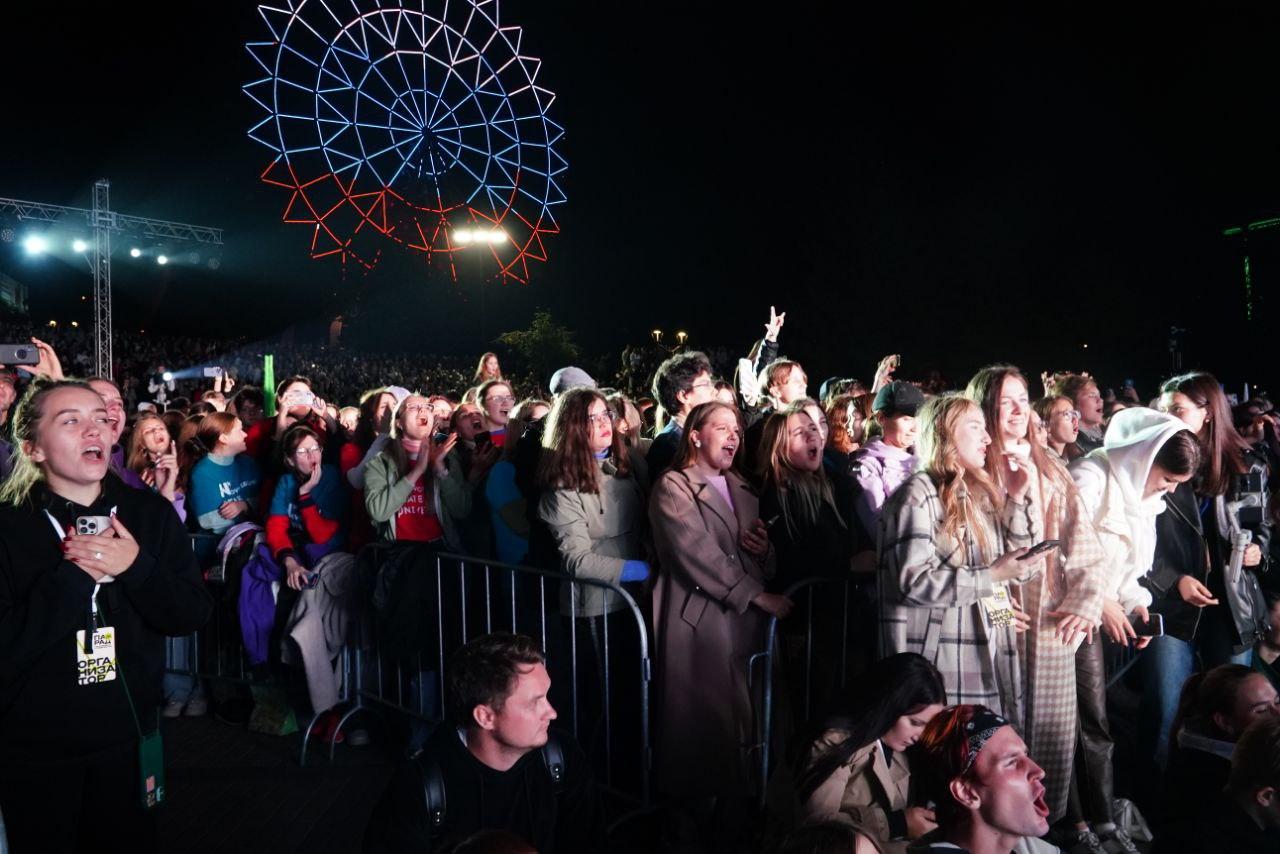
977	733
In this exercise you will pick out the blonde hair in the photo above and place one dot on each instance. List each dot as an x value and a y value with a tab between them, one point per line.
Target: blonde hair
801	494
26	418
967	495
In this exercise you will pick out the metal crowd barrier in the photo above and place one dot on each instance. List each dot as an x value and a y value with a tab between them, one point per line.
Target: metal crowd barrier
605	661
1118	660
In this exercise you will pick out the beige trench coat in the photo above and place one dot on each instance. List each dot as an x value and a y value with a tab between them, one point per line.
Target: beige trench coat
705	630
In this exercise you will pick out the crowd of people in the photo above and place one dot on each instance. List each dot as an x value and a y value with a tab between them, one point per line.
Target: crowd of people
990	543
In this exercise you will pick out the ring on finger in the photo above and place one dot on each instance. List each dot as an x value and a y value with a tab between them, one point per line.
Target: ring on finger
97	555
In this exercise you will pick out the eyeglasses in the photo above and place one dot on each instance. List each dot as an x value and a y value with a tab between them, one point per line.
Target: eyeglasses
608	416
307	452
418	407
503	399
703	384
1073	414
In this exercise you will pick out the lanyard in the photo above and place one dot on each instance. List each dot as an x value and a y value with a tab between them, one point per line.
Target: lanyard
93	598
93	624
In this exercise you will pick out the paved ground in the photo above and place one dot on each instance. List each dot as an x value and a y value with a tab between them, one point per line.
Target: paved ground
231	790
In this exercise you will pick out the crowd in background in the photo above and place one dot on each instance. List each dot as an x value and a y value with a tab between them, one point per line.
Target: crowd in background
990	543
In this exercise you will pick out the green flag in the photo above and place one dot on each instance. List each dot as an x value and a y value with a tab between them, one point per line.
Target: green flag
269	384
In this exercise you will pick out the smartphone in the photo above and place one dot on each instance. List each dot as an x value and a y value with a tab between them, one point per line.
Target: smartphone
484	438
769	524
91	525
312	582
19	354
1040	548
213	372
440	438
1152	629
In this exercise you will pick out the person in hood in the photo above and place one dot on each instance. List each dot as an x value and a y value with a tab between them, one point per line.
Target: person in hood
1145	456
491	760
83	621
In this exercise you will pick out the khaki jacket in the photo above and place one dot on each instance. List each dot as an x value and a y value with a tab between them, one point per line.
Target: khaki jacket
862	792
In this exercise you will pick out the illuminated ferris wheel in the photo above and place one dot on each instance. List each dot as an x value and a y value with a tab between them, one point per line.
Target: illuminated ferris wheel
414	124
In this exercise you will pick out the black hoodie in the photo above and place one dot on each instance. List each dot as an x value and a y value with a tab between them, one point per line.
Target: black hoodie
522	800
45	713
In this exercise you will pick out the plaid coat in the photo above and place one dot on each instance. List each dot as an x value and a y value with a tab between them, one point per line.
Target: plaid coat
1072	582
931	591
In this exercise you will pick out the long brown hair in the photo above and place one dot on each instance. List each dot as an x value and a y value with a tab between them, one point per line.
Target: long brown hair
567	461
967	495
838	423
984	390
801	494
1222	447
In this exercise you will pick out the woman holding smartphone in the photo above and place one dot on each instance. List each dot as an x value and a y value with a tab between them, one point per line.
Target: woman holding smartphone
949	545
1064	600
83	621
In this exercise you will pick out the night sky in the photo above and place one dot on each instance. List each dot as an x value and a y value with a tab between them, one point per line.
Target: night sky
959	187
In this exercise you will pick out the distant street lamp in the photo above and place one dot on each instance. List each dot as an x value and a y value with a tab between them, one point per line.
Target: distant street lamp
681	336
657	335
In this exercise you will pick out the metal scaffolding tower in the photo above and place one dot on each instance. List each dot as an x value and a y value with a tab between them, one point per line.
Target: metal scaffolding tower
104	221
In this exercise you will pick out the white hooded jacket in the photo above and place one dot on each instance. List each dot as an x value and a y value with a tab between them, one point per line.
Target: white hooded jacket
1111	481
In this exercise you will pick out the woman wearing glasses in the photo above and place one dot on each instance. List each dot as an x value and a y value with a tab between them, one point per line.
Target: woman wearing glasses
496	400
407	488
1061	421
594	507
305	519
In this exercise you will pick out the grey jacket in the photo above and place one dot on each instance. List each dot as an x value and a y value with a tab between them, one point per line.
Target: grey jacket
595	534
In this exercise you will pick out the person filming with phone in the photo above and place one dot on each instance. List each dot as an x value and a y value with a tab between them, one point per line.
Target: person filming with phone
93	576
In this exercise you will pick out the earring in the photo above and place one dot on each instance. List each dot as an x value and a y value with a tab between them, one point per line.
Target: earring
697	444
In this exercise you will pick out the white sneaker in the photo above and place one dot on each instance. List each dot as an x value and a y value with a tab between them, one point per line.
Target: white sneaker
173	708
1118	842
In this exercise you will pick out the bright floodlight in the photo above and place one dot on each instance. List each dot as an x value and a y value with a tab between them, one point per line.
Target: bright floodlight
162	259
35	245
463	236
135	252
497	236
167	376
79	245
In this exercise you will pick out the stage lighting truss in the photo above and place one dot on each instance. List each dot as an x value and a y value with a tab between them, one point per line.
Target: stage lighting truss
405	124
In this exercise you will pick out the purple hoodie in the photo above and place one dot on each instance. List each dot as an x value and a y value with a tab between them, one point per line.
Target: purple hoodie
881	470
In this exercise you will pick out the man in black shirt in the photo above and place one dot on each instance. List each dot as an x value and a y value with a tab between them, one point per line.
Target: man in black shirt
495	765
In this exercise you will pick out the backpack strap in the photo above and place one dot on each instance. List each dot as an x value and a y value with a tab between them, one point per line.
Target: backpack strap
553	756
433	791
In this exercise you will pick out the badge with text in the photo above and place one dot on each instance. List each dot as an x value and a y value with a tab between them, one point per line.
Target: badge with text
999	609
96	659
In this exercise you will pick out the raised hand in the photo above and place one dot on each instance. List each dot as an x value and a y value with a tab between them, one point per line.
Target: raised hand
774	326
49	366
